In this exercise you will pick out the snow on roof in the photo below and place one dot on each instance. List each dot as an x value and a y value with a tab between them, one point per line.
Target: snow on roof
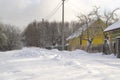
79	31
75	34
114	26
118	37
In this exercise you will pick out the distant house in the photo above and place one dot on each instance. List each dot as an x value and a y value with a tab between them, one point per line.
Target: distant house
92	30
114	31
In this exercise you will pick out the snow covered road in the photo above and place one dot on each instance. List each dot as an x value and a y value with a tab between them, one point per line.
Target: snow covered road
42	64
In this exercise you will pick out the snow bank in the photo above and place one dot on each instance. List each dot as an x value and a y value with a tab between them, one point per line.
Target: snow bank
42	64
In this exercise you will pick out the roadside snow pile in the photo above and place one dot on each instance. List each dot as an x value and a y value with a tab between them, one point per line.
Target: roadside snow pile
30	52
37	52
42	64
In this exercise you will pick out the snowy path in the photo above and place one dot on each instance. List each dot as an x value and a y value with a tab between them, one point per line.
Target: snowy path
41	64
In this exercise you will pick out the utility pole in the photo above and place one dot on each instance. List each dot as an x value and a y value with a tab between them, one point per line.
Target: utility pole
42	19
63	42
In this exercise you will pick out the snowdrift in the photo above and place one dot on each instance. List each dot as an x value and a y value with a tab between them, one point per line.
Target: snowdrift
42	64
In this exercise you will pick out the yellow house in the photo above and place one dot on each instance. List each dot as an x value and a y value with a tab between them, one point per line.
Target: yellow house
92	30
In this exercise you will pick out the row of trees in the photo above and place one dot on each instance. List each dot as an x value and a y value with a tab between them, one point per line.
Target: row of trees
10	37
39	34
46	34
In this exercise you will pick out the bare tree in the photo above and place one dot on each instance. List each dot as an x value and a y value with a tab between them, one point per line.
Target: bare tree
32	35
53	35
111	16
13	38
41	34
3	38
86	20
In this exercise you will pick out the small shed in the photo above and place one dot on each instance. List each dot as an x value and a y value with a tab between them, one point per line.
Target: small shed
114	31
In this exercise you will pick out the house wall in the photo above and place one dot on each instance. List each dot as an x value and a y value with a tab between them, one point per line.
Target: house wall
114	34
113	40
74	43
98	41
96	32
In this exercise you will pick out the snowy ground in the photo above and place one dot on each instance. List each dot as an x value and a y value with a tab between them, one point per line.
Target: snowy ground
42	64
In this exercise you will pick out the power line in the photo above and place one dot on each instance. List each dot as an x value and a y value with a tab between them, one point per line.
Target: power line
53	12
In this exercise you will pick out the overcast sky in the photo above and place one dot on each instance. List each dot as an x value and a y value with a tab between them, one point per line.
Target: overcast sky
22	12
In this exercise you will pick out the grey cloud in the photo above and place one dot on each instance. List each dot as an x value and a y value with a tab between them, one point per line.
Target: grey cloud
22	12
